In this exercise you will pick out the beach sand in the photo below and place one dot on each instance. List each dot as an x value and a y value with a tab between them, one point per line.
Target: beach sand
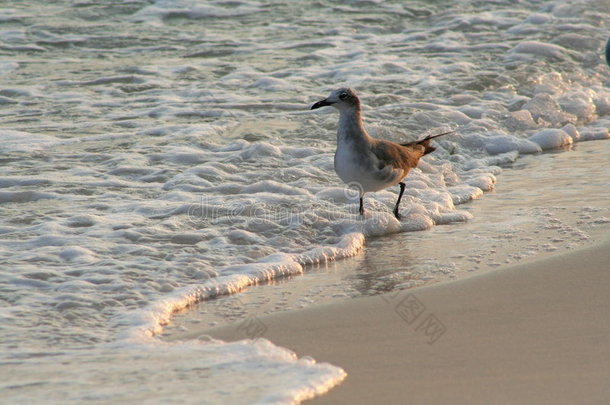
535	332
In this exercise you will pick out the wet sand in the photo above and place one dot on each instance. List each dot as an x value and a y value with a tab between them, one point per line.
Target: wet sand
535	332
569	208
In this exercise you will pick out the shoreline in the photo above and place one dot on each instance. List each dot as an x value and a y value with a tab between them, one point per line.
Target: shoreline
533	331
510	225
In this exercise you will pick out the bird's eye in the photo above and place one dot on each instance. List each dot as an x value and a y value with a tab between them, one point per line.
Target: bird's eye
343	96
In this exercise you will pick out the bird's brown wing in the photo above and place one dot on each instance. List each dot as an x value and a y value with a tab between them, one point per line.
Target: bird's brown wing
397	156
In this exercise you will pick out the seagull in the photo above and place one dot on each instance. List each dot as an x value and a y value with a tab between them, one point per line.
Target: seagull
364	162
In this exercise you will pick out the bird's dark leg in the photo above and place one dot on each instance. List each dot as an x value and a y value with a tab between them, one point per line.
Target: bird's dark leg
402	190
362	205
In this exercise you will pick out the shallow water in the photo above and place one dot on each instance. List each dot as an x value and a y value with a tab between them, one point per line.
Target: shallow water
157	154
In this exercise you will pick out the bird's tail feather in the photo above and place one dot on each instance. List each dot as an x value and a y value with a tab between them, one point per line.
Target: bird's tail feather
426	142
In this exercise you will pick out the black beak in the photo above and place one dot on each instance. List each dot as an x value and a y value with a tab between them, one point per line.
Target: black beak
319	104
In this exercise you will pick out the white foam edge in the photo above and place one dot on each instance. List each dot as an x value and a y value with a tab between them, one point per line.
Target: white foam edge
143	325
148	322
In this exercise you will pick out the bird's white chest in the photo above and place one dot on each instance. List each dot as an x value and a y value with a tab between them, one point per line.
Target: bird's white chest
359	169
347	165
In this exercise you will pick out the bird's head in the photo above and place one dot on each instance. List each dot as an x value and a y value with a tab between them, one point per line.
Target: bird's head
341	99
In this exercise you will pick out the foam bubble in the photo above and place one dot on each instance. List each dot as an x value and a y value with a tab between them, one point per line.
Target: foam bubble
24	196
506	143
20	141
163	9
551	138
7	67
539	49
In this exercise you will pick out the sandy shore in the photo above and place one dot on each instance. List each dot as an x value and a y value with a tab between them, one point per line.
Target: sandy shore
537	332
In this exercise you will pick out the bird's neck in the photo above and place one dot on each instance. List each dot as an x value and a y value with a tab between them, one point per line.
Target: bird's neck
351	127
